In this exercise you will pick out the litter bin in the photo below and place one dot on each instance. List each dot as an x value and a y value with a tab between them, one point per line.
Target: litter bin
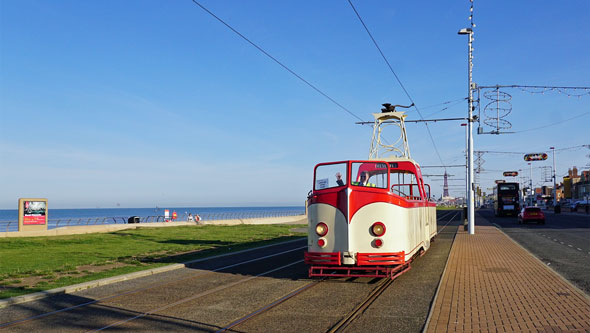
133	219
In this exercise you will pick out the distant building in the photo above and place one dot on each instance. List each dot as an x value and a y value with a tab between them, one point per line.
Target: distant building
581	188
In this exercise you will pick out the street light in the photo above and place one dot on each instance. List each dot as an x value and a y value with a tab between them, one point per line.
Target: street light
470	202
555	208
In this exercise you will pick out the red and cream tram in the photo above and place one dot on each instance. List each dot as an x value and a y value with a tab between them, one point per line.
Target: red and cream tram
369	217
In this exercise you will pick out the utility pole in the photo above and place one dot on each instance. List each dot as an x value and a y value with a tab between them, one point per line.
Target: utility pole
470	196
531	184
555	209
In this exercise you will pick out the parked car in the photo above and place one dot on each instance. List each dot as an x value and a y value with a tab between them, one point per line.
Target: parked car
531	214
577	204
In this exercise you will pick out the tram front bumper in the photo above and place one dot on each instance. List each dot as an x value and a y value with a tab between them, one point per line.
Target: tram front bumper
352	259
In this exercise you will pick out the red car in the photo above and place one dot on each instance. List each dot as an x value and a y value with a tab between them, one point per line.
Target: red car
531	214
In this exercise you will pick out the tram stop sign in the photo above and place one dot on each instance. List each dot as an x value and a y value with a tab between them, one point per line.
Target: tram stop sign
535	157
510	173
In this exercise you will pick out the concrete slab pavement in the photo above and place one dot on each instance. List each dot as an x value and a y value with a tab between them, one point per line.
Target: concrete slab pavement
491	283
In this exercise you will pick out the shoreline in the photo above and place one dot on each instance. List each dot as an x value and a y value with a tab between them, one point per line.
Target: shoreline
104	228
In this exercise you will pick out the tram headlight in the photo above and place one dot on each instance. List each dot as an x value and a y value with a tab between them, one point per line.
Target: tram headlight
378	229
321	229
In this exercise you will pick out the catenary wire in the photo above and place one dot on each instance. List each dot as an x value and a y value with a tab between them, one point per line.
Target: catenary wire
445	108
443	103
553	124
277	61
398	80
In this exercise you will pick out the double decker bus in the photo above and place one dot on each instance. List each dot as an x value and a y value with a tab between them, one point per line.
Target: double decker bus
506	199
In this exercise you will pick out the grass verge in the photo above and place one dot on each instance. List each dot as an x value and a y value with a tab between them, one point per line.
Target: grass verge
41	263
447	208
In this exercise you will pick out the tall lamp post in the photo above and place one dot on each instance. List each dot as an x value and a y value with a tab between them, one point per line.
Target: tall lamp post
470	201
555	209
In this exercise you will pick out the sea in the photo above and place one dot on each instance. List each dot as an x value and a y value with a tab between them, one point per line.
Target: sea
60	217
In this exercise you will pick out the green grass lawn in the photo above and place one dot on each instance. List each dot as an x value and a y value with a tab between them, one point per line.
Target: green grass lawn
447	208
41	263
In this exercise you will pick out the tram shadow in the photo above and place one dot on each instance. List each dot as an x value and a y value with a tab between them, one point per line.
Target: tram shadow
68	312
278	258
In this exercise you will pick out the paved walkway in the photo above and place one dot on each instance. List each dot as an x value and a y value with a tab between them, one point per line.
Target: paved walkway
492	284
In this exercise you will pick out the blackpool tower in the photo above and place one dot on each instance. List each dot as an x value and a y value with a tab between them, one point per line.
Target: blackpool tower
446	187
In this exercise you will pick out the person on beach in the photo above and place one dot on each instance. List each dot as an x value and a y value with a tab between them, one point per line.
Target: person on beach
190	218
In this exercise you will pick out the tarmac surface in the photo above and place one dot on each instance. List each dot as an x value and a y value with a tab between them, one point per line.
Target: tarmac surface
562	243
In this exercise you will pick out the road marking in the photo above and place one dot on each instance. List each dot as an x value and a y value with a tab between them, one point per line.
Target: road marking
579	249
562	243
569	245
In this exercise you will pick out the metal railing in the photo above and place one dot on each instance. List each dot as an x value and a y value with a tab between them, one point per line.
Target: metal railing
9	226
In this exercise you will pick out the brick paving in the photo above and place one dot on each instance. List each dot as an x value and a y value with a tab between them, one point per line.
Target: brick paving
491	284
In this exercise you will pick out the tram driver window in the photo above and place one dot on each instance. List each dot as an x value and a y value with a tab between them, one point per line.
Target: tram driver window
405	184
330	175
369	174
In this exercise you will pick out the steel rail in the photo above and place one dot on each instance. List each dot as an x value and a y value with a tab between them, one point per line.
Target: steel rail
193	297
450	220
359	309
378	291
157	284
269	306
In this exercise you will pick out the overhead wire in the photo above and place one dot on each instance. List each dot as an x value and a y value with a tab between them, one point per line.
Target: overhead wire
553	124
446	108
277	61
443	103
397	78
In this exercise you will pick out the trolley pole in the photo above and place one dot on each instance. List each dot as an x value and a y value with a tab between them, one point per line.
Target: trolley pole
470	189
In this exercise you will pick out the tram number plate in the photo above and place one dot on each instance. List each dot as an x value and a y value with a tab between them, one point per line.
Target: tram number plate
381	166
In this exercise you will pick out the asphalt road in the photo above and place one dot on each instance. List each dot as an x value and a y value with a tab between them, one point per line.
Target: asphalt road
213	293
563	243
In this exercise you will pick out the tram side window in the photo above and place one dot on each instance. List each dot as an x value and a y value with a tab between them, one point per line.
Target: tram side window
405	184
376	172
330	175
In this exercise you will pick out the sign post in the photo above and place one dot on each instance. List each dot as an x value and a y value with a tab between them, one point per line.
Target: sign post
32	214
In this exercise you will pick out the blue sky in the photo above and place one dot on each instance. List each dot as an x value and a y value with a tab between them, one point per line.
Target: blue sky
145	103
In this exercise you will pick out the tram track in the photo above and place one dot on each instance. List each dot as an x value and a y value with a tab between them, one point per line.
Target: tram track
378	291
359	309
265	308
193	297
266	316
450	220
157	285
